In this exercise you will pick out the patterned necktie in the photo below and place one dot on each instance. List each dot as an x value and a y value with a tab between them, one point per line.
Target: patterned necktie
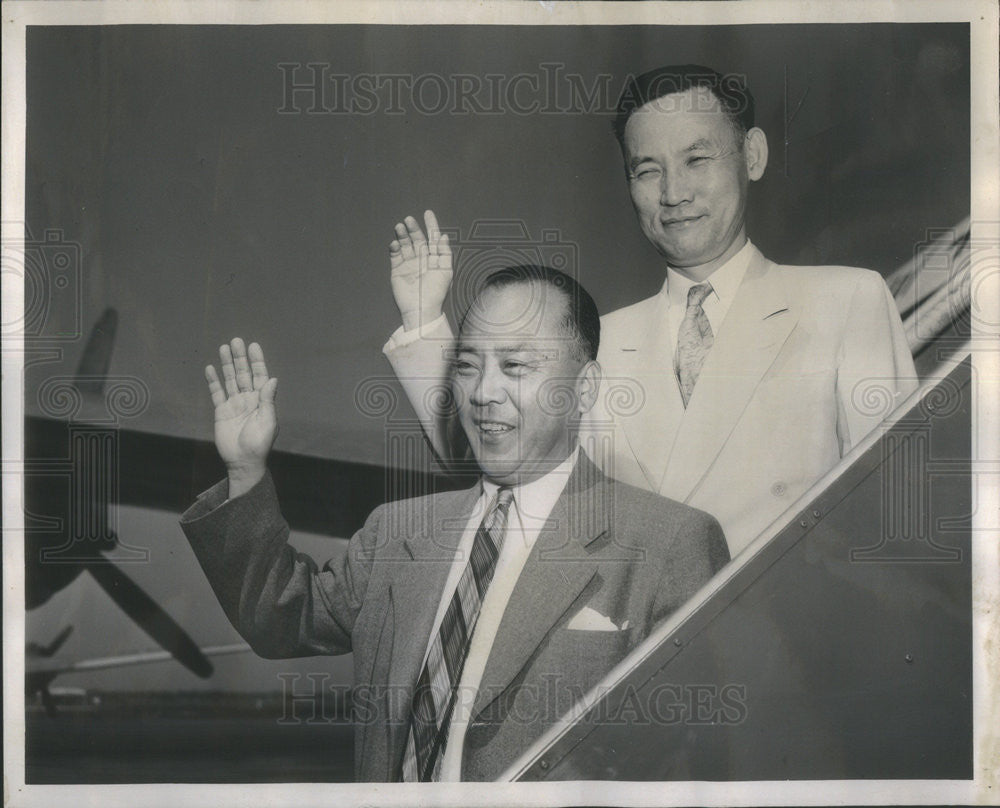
694	340
434	696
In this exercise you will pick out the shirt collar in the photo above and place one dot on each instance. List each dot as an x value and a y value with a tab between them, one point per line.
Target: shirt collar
725	280
536	499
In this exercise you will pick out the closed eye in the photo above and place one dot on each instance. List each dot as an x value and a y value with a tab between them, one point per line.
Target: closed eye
515	367
646	172
463	367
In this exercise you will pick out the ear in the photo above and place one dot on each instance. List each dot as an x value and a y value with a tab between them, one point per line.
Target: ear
588	385
755	153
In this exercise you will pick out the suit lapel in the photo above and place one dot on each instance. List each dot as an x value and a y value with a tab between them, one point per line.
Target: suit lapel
430	551
555	573
757	325
428	554
652	428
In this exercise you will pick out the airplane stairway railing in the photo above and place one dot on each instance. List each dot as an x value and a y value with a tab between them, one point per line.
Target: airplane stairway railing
837	646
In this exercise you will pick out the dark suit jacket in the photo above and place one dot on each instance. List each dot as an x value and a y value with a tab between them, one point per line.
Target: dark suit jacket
624	553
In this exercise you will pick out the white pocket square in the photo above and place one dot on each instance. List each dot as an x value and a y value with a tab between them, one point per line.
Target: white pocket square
588	619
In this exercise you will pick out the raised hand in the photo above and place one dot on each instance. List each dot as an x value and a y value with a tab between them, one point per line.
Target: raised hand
420	270
245	419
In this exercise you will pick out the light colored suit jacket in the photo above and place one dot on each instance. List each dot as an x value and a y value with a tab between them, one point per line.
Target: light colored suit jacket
608	548
807	362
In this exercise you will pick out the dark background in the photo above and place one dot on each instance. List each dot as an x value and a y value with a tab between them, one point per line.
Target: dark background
203	213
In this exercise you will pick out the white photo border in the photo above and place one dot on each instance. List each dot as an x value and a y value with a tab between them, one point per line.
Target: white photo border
982	16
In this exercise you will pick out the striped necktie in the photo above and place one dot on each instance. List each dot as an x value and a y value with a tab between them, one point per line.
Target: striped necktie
694	340
434	696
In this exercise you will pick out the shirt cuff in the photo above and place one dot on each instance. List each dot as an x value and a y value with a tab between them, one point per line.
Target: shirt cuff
401	337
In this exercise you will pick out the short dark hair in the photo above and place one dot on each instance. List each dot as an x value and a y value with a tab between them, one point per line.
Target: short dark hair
581	321
730	89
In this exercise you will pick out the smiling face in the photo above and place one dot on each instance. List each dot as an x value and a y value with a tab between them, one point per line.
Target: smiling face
689	171
520	382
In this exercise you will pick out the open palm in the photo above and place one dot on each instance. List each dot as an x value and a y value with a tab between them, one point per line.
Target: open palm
245	419
420	270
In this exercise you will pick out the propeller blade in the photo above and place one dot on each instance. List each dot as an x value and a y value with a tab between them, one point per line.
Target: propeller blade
96	359
150	617
37	650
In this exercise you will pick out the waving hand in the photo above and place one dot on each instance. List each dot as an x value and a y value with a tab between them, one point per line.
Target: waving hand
245	419
420	270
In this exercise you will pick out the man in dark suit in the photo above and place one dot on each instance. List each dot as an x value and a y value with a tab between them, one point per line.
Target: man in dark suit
478	617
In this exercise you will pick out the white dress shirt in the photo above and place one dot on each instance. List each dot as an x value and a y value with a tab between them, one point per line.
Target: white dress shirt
533	502
724	282
401	337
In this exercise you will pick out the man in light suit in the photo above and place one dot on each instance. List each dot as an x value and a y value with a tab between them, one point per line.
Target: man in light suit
478	617
742	382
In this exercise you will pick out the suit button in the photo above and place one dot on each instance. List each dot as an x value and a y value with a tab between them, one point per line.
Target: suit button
778	489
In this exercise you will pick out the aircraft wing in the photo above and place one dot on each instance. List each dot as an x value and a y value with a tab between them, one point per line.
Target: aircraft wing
54	667
167	473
